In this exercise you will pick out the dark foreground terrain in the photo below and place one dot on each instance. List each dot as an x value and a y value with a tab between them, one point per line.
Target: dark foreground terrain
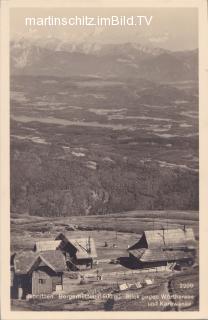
119	231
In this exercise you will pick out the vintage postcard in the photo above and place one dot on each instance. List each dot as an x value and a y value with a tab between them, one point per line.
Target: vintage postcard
103	159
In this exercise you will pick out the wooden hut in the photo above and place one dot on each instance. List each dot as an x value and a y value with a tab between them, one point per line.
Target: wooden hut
159	247
37	274
79	253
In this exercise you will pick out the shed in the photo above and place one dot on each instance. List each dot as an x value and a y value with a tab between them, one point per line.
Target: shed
38	273
160	247
79	252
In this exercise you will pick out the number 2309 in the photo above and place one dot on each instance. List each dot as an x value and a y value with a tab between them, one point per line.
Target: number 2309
186	285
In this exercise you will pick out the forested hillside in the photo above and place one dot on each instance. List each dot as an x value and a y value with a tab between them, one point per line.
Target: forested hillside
49	182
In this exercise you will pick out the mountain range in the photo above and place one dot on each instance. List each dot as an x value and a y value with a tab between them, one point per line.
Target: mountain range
53	57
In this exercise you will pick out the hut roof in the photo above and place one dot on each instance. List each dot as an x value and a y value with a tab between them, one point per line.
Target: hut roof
23	261
85	247
47	245
167	238
54	259
148	255
27	261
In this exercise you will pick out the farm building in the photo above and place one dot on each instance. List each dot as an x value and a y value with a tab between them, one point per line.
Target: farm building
79	253
160	247
37	273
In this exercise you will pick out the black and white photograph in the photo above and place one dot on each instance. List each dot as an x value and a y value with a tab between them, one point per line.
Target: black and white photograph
104	159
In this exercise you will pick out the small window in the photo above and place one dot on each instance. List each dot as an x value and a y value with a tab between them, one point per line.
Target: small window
42	281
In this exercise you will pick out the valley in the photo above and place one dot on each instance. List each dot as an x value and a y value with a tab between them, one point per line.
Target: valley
121	144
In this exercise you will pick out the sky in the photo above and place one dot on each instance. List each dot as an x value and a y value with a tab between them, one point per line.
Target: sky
171	28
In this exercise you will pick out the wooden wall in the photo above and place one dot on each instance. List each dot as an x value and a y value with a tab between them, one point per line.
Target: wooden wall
45	281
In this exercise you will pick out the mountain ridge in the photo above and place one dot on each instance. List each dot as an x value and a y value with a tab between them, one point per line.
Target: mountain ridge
119	60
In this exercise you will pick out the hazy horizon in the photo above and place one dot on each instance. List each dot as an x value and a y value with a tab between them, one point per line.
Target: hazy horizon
174	29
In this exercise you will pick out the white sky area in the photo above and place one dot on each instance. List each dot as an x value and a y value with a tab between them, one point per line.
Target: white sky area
171	28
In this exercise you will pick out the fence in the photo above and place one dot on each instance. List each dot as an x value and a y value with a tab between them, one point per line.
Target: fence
126	273
137	271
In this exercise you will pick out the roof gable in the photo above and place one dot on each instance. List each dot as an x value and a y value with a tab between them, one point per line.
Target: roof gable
54	259
142	243
84	247
28	261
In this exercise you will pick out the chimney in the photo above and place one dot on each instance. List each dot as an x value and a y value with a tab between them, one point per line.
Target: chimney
89	245
163	229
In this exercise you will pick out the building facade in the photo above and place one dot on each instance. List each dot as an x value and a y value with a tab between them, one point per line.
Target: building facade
37	273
